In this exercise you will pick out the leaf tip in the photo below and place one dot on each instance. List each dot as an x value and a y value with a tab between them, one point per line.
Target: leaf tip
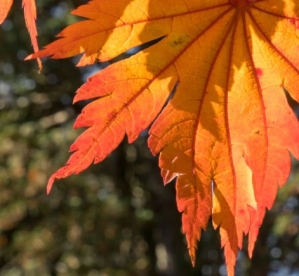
50	184
29	57
32	56
40	66
251	247
192	255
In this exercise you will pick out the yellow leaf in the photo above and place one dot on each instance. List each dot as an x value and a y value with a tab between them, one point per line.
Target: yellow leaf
227	131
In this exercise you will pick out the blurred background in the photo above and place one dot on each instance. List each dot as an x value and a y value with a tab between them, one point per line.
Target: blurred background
116	218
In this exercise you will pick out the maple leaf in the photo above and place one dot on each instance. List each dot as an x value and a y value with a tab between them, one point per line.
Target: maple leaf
226	133
30	17
5	6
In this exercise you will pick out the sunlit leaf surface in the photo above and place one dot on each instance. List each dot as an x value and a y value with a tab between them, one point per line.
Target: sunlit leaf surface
227	132
30	17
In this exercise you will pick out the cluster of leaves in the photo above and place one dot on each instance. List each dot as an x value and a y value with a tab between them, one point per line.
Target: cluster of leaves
227	130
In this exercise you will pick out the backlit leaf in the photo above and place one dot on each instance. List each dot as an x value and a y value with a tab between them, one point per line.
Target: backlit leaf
226	134
30	17
5	6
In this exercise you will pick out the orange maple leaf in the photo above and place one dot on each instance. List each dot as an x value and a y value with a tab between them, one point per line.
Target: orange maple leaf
226	133
30	17
5	6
